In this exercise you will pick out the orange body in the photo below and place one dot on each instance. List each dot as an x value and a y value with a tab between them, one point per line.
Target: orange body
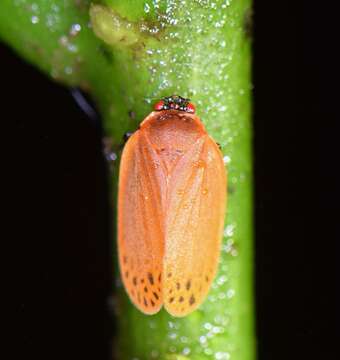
171	204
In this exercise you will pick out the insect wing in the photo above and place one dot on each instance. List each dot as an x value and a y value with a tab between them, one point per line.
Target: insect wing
196	207
140	223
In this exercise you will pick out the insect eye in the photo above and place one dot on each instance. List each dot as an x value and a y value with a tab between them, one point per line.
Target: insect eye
159	106
191	108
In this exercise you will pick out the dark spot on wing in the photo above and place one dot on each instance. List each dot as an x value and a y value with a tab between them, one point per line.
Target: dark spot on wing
150	277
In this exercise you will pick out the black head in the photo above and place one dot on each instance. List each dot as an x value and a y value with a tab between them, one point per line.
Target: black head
175	102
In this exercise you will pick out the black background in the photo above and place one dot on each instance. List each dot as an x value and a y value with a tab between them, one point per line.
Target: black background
58	259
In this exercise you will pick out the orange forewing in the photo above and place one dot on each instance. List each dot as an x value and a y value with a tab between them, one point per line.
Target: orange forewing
171	203
194	227
140	224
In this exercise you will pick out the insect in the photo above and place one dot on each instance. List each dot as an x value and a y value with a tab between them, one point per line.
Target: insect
171	204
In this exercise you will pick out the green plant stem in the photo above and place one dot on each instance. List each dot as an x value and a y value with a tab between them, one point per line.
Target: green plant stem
133	53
